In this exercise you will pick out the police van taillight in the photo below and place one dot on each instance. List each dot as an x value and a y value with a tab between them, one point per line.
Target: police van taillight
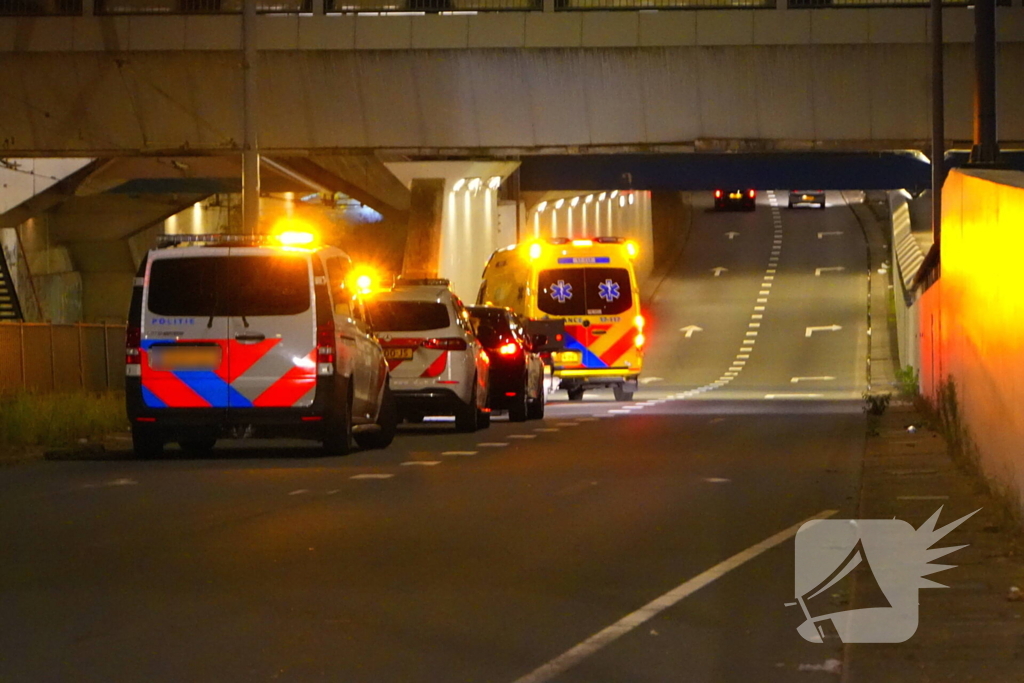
132	344
325	342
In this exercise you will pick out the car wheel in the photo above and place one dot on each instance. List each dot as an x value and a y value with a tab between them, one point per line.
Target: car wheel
337	438
621	394
790	203
575	394
517	410
466	418
146	442
535	409
821	206
198	444
387	420
483	419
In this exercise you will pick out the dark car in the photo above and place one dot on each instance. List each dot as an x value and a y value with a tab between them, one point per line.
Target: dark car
743	200
805	197
516	370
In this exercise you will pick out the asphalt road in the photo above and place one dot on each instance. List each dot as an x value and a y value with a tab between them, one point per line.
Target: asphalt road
484	557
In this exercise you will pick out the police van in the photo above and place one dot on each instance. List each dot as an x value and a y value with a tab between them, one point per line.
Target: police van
590	285
258	336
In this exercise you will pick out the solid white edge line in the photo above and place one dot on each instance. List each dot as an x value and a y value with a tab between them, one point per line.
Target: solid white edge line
576	654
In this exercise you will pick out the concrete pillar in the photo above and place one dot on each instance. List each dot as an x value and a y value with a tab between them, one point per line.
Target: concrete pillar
423	237
670	224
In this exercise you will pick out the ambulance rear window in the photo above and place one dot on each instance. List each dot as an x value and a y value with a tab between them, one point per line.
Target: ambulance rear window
229	286
407	316
584	291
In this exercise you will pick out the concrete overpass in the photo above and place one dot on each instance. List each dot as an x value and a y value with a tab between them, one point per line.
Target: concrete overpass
134	82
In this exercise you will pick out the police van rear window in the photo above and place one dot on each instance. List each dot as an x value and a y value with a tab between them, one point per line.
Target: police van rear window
407	316
229	286
584	291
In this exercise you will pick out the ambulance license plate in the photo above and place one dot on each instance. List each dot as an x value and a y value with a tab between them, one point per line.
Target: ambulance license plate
182	357
570	357
399	353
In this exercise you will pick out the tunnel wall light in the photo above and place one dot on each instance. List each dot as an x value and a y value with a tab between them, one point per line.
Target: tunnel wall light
575	202
459	184
589	198
560	203
494	183
541	207
603	196
475	184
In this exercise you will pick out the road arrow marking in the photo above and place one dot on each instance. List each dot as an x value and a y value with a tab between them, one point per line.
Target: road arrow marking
828	328
690	329
830	269
812	379
830	233
719	270
732	235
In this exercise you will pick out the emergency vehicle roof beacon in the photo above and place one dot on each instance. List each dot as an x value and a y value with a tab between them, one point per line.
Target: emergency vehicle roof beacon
230	334
590	284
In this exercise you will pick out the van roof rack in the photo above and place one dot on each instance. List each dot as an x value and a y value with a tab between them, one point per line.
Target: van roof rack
401	281
166	241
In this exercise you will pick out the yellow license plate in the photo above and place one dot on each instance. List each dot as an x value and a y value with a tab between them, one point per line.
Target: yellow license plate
808	198
399	353
735	195
570	358
169	358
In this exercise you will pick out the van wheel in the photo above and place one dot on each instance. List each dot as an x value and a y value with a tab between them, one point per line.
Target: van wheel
337	438
518	409
147	443
535	408
467	417
198	444
387	420
621	394
576	394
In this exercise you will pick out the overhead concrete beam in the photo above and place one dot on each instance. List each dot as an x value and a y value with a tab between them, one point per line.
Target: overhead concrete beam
363	177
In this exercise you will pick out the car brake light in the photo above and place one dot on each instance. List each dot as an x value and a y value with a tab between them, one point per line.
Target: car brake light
639	340
325	342
752	193
445	344
509	349
718	194
132	342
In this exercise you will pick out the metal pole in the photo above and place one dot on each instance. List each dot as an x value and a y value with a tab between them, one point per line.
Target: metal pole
986	145
250	149
938	122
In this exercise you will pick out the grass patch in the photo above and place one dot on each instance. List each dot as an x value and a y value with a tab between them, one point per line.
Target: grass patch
50	420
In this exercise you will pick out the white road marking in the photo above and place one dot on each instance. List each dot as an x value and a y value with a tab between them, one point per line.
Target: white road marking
823	378
922	497
756	316
758	308
298	492
754	325
651	380
771	396
424	463
618	412
746	349
762	301
372	476
546	429
521	436
822	328
751	334
332	492
770	271
492	444
459	453
769	278
765	292
829	234
576	654
717	480
740	363
719	270
575	424
743	355
690	329
829	269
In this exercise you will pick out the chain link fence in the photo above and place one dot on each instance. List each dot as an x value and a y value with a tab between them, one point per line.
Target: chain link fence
45	358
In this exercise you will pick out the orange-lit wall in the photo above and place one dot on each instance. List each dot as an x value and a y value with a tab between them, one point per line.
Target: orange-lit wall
972	319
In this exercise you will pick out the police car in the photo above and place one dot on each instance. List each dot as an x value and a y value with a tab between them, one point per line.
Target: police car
438	366
254	336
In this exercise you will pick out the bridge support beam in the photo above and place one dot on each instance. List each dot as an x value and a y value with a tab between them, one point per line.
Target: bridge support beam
423	237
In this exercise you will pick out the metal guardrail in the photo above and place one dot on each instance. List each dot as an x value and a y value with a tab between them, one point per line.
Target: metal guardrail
167	7
46	358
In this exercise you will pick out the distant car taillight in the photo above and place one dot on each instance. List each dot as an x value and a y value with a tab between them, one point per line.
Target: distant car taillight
509	349
132	343
718	194
445	344
325	348
752	193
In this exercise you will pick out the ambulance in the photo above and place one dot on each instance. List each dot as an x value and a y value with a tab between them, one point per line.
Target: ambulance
590	285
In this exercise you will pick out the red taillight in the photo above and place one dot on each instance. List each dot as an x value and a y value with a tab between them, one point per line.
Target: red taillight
509	349
132	342
445	344
752	193
325	342
718	194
